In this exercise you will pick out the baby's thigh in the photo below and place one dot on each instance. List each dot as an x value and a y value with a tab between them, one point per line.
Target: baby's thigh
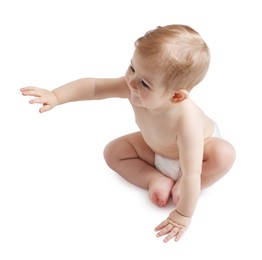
130	146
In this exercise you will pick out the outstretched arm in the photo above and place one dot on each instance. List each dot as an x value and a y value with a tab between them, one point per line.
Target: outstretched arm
82	89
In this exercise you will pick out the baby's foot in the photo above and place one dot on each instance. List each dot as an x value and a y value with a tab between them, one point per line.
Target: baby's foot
176	192
159	190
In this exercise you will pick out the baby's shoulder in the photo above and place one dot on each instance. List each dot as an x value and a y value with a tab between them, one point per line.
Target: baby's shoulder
189	114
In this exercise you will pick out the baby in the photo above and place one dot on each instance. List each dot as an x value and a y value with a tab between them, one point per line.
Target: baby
178	150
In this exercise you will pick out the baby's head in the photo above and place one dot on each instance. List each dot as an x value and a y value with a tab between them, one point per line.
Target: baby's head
180	53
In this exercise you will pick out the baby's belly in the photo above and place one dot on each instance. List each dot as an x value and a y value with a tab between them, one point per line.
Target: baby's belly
167	153
166	149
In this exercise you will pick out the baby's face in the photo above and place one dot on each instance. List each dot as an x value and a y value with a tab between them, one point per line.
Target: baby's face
145	81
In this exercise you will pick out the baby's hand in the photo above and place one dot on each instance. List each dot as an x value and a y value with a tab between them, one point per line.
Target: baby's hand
174	226
43	96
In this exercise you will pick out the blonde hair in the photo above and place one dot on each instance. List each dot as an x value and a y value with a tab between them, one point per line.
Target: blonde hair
183	55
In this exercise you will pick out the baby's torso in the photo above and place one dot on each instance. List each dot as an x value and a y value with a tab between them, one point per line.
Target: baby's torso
158	135
160	131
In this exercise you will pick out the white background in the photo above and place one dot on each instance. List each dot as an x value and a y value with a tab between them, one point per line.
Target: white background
58	198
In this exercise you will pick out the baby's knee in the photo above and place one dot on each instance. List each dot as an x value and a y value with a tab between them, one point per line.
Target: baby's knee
115	151
225	155
230	155
109	152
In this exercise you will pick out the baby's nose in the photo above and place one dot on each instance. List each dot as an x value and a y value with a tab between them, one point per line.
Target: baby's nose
132	83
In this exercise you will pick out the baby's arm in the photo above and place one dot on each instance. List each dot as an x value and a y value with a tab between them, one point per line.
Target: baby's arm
190	142
82	89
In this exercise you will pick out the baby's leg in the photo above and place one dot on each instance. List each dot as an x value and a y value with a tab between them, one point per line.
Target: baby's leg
133	159
219	156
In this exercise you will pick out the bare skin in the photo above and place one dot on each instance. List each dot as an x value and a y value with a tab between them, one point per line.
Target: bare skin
186	136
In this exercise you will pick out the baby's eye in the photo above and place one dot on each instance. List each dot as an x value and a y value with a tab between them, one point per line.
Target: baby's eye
144	84
131	68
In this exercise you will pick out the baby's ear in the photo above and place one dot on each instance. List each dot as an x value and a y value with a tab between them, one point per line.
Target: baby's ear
179	95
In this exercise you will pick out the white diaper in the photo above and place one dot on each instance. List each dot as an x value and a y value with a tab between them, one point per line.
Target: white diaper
216	132
170	167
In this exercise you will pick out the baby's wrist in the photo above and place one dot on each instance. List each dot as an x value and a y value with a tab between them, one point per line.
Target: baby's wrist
177	217
181	214
58	102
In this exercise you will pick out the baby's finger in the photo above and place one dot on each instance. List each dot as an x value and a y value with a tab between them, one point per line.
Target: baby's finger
27	88
28	91
179	234
39	100
32	91
165	230
161	225
45	108
173	233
